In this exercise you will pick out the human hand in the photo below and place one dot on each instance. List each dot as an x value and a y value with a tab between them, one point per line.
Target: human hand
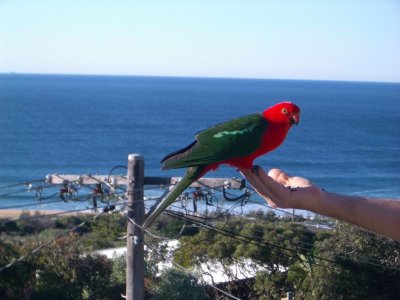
282	190
279	189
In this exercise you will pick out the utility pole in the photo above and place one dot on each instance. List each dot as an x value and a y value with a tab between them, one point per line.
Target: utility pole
135	243
135	182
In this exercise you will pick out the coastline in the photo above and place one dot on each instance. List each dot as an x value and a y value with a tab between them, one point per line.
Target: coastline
14	214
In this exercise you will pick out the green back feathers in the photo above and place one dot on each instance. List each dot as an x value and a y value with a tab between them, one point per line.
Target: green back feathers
235	138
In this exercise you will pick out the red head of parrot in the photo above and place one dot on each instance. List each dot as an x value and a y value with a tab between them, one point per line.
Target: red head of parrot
283	113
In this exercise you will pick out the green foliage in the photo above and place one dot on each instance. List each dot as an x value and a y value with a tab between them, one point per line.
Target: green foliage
8	226
359	257
15	281
280	251
174	284
50	233
56	272
351	258
195	249
64	273
33	224
61	270
105	232
170	227
299	276
262	242
270	285
118	274
71	221
94	272
269	215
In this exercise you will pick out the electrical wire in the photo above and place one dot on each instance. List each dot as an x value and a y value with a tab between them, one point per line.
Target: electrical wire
21	183
30	204
49	215
190	273
255	239
227	212
339	260
32	252
360	258
227	233
178	265
207	189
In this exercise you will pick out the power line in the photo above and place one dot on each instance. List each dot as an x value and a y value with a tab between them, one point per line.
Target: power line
190	273
254	239
89	210
205	190
29	204
116	194
21	183
124	202
338	261
32	252
178	265
243	238
366	258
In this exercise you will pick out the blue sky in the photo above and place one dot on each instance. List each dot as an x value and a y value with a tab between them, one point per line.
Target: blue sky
325	40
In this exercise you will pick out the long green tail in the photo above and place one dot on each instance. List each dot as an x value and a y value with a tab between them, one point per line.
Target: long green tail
192	174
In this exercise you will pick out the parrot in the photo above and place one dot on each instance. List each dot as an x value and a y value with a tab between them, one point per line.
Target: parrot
237	142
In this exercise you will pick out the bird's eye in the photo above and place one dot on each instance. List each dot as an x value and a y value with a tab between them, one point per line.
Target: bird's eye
284	111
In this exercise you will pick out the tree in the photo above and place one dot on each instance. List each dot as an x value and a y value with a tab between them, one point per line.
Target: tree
16	280
366	266
275	246
64	273
177	285
94	272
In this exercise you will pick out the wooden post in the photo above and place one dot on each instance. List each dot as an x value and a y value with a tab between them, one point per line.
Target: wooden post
135	245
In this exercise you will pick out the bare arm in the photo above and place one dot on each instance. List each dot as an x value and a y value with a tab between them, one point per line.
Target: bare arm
381	216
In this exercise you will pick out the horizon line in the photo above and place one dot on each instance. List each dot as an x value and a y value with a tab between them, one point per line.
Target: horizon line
192	76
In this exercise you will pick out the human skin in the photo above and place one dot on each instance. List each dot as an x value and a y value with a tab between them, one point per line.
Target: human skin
381	216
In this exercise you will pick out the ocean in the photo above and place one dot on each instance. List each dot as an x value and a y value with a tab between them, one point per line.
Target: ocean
348	139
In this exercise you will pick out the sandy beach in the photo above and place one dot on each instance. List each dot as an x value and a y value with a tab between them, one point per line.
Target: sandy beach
15	213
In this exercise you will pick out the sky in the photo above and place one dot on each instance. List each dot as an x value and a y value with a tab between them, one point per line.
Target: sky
356	40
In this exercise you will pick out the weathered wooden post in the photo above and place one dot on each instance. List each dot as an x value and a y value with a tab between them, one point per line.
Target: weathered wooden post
135	243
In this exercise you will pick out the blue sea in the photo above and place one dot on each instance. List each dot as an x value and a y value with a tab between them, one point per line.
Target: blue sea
348	139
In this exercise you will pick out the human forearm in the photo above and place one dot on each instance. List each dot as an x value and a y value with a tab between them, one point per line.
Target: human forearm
279	189
381	216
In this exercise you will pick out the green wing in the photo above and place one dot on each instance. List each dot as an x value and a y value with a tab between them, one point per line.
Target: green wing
235	138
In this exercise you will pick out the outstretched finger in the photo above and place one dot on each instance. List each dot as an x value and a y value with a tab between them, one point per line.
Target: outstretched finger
279	176
264	185
253	177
